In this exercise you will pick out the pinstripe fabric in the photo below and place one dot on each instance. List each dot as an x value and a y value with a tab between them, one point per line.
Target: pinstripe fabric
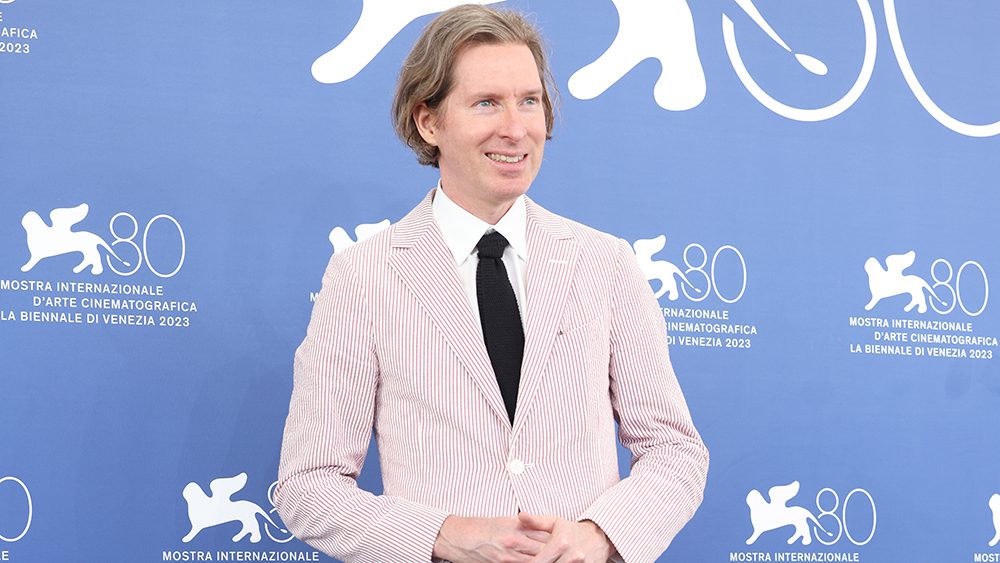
393	345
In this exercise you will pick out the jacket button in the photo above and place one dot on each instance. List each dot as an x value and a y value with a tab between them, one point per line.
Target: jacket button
515	466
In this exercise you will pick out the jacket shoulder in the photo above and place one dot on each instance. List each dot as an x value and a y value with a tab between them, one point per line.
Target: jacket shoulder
363	259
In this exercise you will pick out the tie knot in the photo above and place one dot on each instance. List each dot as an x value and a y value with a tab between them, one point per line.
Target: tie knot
491	245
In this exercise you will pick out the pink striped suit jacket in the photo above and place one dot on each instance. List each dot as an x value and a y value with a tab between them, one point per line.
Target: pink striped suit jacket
393	345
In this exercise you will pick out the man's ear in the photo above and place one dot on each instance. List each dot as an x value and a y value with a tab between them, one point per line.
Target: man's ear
426	121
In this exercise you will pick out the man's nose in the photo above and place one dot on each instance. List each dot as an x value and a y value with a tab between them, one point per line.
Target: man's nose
512	125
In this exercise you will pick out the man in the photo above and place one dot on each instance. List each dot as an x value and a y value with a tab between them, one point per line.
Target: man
491	345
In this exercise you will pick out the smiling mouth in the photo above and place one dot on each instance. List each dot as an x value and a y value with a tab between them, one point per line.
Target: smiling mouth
510	159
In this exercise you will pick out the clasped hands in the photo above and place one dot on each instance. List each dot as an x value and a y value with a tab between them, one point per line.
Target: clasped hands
527	538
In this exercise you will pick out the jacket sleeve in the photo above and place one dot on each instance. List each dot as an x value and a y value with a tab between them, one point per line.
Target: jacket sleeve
327	434
642	513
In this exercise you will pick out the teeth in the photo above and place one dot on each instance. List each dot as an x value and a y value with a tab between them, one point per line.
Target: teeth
504	158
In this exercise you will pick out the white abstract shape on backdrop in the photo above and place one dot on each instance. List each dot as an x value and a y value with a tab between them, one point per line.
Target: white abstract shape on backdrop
341	241
663	30
766	516
890	281
380	21
205	511
45	241
809	63
995	508
925	100
661	270
812	64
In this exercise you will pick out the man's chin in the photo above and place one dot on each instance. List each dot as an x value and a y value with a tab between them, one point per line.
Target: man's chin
510	193
514	185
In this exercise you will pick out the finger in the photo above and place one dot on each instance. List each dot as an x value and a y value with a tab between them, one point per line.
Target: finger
526	545
543	522
536	535
552	551
549	554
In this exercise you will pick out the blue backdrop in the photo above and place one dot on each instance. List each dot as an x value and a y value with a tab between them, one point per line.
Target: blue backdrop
824	175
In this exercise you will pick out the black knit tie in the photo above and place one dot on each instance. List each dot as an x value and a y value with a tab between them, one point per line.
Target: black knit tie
500	317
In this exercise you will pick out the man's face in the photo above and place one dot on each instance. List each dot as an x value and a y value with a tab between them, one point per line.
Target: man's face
490	128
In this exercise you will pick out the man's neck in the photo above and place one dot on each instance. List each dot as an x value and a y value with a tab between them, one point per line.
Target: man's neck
489	212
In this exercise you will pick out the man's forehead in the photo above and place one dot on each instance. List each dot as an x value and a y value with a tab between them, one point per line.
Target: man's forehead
496	68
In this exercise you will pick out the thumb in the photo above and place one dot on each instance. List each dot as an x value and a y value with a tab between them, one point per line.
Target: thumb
543	522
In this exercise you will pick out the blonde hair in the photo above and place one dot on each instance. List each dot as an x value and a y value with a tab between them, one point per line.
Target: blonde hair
427	75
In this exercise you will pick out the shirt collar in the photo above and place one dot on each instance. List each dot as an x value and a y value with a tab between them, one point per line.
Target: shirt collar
462	230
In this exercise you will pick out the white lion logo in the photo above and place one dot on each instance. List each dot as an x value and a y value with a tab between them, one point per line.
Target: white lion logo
341	241
890	281
766	516
45	241
660	270
995	507
206	511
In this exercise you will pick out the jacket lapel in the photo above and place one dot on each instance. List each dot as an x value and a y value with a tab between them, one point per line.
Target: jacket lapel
421	259
552	259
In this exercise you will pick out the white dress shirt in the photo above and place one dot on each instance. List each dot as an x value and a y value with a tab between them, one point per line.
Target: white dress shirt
462	231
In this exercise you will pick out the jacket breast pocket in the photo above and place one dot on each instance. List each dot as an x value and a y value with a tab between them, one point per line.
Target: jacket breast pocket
577	381
587	340
575	326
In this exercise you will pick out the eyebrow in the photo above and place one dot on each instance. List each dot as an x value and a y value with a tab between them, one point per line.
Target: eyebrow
494	95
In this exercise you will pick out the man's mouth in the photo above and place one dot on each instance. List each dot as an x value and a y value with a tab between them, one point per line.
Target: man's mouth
509	158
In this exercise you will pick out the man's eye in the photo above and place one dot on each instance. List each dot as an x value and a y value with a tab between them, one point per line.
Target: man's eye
484	104
531	101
